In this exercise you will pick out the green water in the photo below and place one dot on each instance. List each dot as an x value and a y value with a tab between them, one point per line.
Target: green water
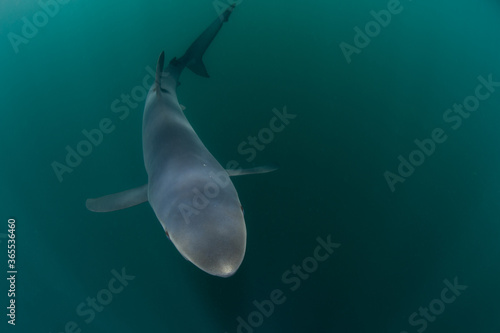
395	247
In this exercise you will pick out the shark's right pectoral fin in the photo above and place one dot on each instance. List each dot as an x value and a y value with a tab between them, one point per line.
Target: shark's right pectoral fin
118	200
252	171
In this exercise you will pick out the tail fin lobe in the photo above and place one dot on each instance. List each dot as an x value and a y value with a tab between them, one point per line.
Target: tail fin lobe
192	59
198	67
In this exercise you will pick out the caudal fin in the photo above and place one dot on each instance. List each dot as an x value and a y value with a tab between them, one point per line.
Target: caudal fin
192	59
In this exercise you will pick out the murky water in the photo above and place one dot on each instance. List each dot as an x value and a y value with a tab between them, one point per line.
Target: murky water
383	215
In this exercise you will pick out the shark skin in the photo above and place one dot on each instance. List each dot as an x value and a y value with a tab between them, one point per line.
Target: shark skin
190	192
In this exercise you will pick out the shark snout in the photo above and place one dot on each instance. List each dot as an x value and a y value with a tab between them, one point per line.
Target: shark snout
224	265
216	252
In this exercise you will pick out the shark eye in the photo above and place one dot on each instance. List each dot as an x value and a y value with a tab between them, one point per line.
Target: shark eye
168	236
242	210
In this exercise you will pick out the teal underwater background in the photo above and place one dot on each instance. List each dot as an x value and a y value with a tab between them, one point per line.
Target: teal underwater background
353	120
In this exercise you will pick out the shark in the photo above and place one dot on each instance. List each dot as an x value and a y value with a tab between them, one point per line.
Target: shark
191	194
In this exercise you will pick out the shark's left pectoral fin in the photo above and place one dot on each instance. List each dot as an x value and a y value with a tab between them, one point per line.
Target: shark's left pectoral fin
118	200
252	171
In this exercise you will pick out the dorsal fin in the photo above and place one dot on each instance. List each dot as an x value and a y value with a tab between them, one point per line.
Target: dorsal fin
159	71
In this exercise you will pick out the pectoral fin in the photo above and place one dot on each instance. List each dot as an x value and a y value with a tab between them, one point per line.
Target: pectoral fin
252	171
118	200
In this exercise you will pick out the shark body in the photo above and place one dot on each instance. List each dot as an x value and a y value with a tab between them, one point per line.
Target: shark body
189	191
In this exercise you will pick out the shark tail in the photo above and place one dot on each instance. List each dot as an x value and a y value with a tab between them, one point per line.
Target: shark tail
198	67
193	58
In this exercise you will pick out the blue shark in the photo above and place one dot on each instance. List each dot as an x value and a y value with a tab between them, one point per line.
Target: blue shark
190	192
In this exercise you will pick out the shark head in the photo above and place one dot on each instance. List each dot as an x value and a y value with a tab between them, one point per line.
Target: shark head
214	240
